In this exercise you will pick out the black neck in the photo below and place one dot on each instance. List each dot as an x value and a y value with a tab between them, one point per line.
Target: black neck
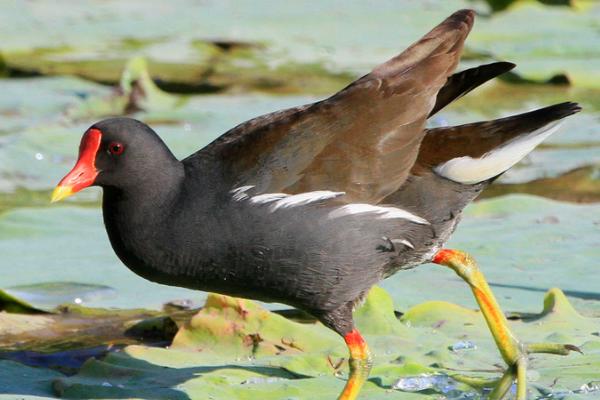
137	218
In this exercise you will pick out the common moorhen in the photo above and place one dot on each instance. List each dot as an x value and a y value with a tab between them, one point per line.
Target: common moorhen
311	206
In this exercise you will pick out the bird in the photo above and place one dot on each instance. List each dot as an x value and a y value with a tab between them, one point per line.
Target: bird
313	205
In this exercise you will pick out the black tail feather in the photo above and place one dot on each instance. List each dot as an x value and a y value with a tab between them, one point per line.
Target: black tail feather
476	139
463	82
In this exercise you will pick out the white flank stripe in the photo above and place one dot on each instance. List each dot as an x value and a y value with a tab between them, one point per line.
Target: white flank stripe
405	242
283	200
380	212
239	194
468	170
267	198
305	198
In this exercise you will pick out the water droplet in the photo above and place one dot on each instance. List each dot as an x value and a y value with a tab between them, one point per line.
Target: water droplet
39	156
438	382
463	345
77	300
106	384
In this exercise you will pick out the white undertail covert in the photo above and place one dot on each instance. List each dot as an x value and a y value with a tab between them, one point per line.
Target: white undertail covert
468	170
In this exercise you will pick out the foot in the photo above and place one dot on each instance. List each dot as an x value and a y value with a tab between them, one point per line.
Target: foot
512	350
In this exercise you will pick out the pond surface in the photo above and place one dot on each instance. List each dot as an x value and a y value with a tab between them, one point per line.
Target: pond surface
216	64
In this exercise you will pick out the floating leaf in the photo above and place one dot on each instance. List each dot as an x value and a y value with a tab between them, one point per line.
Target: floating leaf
213	356
19	381
48	295
14	304
581	185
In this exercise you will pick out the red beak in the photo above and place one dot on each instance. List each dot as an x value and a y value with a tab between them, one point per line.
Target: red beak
84	172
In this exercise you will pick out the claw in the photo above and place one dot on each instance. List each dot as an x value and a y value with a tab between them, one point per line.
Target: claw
336	366
552	348
572	347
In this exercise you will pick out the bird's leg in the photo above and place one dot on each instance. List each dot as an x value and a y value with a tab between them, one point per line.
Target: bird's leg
513	352
467	269
360	365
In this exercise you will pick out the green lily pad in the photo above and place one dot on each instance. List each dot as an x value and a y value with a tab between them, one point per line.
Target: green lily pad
231	70
235	349
525	245
581	185
76	328
214	46
11	303
500	5
48	295
20	382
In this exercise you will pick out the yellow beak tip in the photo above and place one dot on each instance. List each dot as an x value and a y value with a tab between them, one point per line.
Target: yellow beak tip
60	193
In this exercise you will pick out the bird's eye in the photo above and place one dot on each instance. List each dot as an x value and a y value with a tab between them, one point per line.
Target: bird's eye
116	148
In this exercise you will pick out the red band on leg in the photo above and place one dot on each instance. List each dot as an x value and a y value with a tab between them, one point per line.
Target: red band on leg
443	256
359	365
356	344
354	338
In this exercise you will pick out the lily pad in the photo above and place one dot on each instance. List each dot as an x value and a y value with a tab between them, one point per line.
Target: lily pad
49	295
214	356
32	383
14	304
73	327
289	48
524	244
500	5
581	185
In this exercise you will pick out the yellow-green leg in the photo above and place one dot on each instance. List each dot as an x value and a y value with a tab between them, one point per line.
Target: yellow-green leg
513	352
360	365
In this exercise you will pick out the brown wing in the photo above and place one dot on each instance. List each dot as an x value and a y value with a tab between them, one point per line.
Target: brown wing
362	140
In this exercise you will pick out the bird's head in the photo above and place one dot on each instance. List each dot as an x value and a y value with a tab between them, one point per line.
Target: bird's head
115	152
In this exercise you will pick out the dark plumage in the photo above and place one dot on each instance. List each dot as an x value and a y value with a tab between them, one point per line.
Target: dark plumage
313	205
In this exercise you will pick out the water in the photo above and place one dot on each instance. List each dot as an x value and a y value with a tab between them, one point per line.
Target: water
438	382
38	141
463	345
